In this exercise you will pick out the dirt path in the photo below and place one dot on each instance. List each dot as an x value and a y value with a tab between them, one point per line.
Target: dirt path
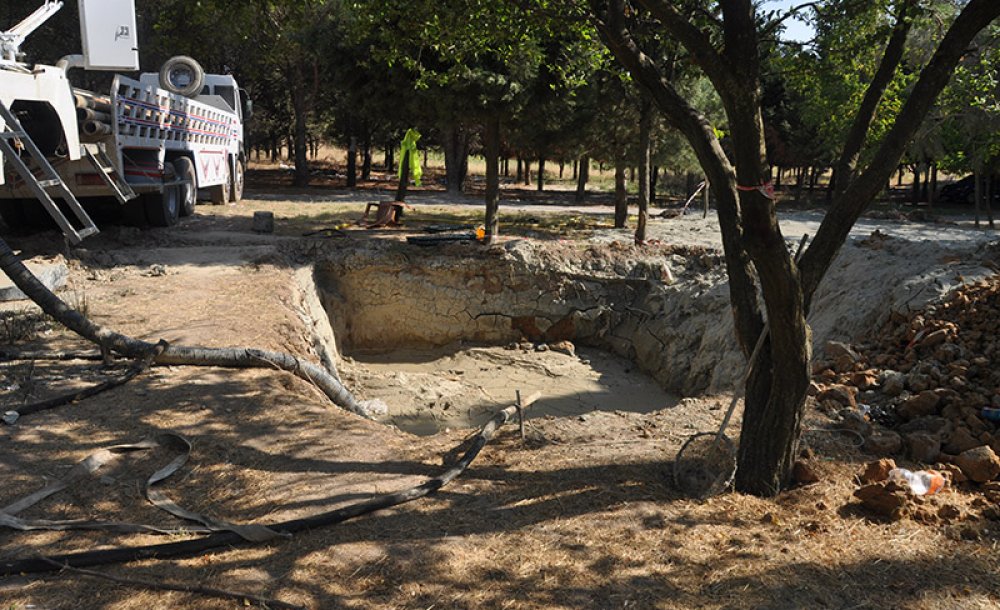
581	515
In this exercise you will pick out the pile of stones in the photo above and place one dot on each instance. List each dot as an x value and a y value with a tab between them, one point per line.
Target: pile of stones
925	386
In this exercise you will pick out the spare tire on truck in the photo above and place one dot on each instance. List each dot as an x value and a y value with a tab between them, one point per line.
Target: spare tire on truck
182	75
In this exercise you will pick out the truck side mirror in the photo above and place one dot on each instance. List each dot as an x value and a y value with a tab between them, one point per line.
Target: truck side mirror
109	35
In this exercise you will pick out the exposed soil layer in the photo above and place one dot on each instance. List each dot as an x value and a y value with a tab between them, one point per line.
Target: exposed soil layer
581	514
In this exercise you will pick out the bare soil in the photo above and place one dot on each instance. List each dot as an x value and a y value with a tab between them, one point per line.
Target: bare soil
580	514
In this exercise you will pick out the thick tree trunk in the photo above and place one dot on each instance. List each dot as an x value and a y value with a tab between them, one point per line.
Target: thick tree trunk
776	389
491	146
582	178
456	157
621	194
527	172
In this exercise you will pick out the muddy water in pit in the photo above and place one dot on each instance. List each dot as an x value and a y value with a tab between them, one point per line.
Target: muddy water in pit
431	389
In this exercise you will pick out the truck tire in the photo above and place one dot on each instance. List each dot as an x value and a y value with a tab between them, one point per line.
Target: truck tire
237	181
163	209
188	189
220	192
182	75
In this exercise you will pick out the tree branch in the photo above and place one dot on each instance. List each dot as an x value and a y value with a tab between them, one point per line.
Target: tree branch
846	208
847	163
700	134
697	42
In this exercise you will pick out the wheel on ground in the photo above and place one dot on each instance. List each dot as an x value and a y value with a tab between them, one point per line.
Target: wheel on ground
237	181
188	189
220	192
163	209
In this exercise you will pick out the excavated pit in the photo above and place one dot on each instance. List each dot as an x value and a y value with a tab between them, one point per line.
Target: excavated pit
446	337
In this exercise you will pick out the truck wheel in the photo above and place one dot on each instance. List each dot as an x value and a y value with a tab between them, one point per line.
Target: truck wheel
188	189
182	75
236	184
220	192
163	209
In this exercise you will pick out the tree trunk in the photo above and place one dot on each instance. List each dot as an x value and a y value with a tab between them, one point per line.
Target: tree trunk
654	177
562	168
621	195
645	148
706	197
527	172
352	162
456	157
581	181
519	176
491	146
777	387
932	196
988	199
390	161
366	163
541	174
301	108
915	188
404	177
576	167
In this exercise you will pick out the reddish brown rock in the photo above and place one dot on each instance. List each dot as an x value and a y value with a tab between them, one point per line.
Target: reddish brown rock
961	440
843	394
980	464
884	442
864	380
924	403
876	471
843	356
885	499
803	473
923	447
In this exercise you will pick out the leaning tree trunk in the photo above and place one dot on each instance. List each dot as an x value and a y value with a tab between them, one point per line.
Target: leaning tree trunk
113	342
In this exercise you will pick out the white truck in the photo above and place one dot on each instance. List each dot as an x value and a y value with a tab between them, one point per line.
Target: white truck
151	145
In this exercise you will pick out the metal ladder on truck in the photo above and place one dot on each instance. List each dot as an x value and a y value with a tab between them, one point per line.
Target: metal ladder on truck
47	186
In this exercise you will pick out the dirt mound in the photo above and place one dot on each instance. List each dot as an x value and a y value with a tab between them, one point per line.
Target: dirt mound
931	377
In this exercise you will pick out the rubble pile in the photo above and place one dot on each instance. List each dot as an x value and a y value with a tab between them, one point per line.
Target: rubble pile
929	381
